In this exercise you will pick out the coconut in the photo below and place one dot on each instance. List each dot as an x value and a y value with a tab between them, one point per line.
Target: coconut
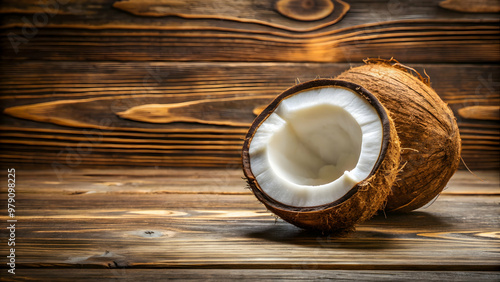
427	130
323	155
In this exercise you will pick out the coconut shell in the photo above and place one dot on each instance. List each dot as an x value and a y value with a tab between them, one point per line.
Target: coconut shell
427	130
362	201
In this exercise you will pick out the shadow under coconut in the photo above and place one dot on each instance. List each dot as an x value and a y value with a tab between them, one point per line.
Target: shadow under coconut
376	234
416	220
285	233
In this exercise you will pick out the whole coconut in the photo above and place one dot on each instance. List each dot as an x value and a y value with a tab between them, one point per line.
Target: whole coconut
426	127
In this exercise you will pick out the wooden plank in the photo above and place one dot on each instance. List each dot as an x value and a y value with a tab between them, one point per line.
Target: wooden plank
248	275
196	181
477	44
258	16
163	234
86	114
257	31
132	228
197	237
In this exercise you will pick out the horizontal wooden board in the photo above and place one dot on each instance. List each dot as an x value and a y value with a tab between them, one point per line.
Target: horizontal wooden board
80	114
121	219
196	181
257	31
248	275
105	14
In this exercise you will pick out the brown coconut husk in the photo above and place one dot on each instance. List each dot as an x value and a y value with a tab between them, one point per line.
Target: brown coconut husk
363	200
426	126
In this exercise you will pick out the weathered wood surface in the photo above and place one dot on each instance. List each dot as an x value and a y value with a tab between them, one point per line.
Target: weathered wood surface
82	114
105	83
176	83
250	275
102	30
125	223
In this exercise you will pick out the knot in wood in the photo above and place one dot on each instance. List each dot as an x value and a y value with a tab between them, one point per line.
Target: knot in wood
305	10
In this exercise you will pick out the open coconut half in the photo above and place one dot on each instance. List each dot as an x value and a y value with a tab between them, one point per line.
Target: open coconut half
323	155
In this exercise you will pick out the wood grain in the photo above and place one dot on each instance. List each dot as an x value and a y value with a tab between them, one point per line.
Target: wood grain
477	6
421	32
211	111
171	219
477	42
202	181
480	112
307	10
77	79
251	275
85	114
102	16
259	12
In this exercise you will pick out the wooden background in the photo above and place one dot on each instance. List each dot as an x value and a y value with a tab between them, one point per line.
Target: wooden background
105	83
124	121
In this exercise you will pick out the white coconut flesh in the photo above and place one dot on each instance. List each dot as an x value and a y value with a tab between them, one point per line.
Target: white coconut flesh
316	146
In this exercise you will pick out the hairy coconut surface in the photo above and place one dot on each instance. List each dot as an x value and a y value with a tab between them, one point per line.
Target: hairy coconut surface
360	200
427	130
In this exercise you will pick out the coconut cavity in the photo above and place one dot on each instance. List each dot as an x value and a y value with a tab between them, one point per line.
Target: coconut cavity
307	152
323	155
316	146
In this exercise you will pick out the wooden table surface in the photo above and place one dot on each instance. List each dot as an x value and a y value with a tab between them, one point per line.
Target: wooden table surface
152	224
79	79
108	190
